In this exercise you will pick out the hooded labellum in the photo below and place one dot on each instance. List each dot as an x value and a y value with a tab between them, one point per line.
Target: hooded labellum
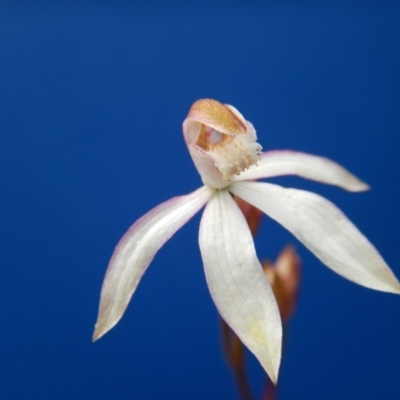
224	149
231	154
221	142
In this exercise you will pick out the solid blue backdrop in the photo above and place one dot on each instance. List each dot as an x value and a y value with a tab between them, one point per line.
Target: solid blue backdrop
92	98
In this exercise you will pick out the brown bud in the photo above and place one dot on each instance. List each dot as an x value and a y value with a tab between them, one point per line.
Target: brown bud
252	214
284	277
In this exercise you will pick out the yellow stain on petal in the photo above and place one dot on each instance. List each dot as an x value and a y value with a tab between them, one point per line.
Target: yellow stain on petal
258	334
218	116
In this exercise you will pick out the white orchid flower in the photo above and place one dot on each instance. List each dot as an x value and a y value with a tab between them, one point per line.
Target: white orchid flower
228	158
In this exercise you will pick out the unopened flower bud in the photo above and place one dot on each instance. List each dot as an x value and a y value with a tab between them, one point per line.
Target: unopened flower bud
252	214
284	277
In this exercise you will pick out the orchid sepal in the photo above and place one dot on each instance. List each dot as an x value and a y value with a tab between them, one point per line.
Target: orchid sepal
237	283
136	250
324	230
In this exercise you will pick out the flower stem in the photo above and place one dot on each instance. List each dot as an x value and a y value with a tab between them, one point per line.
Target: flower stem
235	355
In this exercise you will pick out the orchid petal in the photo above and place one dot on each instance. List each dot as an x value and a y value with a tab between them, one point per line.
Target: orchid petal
320	169
136	250
237	283
325	230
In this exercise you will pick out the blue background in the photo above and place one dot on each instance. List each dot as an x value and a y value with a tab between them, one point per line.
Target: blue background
92	98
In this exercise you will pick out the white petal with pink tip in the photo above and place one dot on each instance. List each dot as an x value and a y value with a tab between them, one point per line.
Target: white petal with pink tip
136	250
